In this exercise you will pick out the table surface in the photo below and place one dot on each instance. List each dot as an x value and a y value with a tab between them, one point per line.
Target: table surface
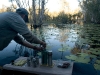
41	70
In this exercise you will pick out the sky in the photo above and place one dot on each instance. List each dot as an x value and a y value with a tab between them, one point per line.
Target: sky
52	5
4	2
55	5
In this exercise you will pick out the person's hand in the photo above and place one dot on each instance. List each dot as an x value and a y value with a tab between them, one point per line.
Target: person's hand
38	48
43	44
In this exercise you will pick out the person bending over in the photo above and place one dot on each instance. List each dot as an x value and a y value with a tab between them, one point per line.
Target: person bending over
12	25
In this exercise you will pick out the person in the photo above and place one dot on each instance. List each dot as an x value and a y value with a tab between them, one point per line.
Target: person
13	27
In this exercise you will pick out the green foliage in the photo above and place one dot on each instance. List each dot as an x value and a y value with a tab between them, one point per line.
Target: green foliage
91	10
82	54
82	58
97	66
62	18
67	18
47	17
98	62
71	57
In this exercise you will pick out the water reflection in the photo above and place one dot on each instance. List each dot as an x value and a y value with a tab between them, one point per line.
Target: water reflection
54	36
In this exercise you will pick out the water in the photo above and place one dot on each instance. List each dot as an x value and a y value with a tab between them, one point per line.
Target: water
57	37
54	36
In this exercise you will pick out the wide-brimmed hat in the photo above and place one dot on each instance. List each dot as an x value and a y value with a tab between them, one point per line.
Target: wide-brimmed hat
23	11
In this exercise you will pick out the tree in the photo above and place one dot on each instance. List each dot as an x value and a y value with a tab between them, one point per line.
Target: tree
91	10
62	17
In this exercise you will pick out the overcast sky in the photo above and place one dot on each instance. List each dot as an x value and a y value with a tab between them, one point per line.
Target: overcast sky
52	5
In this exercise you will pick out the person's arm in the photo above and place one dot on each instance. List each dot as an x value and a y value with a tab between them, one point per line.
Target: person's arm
29	45
21	41
33	39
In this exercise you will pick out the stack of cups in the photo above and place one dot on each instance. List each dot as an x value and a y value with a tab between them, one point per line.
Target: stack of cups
33	61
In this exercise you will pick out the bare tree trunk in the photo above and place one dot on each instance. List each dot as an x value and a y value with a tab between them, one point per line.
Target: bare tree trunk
34	13
18	3
39	11
43	3
41	17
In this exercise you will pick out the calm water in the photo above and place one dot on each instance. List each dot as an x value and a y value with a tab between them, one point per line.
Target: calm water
54	36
